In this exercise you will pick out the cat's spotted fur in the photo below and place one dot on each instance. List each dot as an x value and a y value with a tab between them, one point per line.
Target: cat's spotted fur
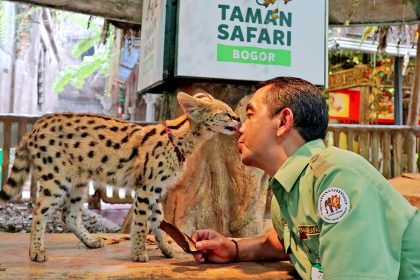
65	150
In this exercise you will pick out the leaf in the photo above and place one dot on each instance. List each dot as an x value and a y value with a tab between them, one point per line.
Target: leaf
84	45
76	75
182	239
368	30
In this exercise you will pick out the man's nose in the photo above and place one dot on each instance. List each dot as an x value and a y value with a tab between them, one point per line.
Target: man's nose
240	128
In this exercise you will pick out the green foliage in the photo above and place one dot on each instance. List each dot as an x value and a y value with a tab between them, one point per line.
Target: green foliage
76	75
84	45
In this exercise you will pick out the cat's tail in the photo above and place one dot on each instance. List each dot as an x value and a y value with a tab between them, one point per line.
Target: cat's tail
18	174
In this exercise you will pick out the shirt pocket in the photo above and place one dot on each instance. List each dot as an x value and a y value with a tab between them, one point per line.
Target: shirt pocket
311	248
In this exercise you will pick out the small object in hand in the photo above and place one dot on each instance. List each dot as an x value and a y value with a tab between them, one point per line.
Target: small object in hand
182	239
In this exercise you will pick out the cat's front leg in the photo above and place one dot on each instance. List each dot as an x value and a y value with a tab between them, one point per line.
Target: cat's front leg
139	229
156	218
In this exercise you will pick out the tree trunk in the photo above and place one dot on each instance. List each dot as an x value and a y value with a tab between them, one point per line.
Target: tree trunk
217	191
413	110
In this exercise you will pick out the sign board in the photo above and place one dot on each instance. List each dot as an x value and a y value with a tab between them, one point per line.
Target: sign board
344	105
243	40
152	44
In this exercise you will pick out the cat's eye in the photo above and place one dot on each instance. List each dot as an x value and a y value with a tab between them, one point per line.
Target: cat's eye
226	116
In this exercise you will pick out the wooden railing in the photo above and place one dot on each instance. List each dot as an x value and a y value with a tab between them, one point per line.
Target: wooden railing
13	127
384	146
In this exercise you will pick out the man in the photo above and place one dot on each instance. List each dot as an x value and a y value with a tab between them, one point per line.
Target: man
333	213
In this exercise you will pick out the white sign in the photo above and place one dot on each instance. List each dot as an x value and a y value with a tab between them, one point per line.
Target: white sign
152	43
244	40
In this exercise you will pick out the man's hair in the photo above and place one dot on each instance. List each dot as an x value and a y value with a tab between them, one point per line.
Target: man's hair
310	111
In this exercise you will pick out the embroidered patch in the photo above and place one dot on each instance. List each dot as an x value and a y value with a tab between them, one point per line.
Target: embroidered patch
307	230
333	205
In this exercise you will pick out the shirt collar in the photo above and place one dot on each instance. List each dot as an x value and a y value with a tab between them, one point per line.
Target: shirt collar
291	169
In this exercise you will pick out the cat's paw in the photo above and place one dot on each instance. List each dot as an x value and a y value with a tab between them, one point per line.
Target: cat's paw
95	243
140	257
38	255
168	252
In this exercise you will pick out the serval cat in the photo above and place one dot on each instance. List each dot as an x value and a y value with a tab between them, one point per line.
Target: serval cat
65	150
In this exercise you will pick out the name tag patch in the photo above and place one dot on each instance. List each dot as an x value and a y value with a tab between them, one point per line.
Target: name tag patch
307	230
333	205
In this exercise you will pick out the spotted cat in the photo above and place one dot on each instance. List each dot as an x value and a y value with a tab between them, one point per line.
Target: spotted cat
65	150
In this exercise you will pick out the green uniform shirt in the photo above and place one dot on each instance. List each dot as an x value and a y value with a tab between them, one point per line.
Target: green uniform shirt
330	206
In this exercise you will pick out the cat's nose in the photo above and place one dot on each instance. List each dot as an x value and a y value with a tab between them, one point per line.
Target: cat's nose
238	126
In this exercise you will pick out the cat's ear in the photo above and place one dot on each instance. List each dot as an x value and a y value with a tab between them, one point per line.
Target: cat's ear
203	95
190	105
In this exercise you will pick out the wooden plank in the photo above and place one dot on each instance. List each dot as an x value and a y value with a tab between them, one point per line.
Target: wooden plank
386	150
375	146
350	140
410	151
18	118
363	145
21	129
336	137
7	138
68	259
397	149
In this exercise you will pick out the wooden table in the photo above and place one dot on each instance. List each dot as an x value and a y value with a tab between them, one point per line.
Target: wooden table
408	184
68	258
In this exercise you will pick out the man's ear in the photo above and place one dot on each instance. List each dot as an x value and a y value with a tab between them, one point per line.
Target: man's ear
285	121
190	105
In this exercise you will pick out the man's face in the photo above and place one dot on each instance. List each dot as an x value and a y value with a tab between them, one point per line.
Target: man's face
258	132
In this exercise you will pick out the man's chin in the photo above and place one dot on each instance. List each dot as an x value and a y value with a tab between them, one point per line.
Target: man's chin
246	160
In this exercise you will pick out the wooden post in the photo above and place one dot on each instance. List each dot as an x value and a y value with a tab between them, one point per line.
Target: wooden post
397	149
7	130
375	149
364	92
350	140
413	110
398	96
386	149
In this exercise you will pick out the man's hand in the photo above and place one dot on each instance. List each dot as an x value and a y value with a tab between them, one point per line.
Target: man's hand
213	247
